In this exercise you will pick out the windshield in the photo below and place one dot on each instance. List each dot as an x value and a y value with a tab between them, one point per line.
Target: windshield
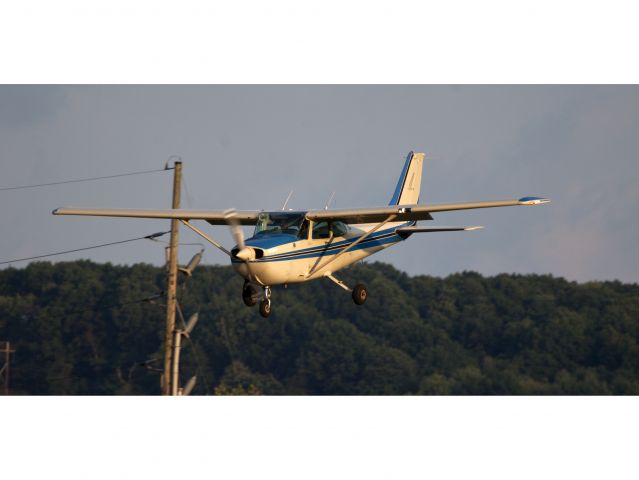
276	222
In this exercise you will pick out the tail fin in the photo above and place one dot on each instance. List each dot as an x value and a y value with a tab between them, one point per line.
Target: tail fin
410	181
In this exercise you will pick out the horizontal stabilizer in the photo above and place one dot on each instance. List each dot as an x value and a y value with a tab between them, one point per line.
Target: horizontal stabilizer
411	230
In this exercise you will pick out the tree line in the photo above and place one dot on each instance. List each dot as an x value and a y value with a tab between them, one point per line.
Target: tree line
86	328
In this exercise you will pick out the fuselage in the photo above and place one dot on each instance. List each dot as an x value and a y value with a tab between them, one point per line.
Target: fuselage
298	250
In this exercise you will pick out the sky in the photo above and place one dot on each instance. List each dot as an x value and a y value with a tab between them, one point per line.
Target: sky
248	146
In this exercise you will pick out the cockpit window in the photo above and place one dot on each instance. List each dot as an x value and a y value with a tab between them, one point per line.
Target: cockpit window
278	222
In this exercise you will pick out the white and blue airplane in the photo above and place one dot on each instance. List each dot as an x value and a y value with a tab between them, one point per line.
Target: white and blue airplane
299	246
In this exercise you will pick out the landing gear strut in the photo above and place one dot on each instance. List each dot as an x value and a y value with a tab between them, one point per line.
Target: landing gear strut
265	304
359	293
250	295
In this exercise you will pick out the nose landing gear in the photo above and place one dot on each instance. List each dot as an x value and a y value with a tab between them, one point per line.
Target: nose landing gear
265	304
250	296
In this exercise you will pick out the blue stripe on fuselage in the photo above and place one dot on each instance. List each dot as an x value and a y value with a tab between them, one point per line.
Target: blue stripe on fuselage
382	237
368	243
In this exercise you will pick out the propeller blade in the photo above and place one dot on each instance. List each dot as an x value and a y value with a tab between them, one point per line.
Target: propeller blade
244	253
236	229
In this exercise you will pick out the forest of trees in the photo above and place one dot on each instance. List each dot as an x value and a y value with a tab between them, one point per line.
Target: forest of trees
85	328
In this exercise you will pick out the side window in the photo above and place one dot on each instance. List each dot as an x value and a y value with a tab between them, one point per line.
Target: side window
324	229
339	229
320	230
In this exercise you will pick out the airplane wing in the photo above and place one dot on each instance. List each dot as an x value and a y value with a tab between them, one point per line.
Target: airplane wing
360	215
411	212
214	217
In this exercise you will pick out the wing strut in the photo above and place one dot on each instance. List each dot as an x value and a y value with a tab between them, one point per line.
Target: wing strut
390	218
217	245
206	237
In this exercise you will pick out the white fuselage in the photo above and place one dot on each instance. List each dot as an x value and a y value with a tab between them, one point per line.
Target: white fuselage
301	260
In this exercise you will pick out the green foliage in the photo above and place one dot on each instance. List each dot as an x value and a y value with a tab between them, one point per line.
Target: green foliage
82	328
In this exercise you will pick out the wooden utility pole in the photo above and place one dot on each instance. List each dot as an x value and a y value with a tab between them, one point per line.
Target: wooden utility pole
175	370
171	290
4	371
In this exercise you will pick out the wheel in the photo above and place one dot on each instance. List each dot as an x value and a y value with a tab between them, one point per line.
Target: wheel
249	295
265	308
360	294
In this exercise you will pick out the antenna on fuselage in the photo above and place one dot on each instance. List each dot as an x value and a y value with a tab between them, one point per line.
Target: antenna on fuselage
330	199
286	201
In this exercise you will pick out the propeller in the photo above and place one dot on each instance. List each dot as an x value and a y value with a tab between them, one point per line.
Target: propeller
244	253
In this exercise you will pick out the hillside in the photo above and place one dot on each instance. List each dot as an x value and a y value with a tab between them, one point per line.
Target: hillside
81	328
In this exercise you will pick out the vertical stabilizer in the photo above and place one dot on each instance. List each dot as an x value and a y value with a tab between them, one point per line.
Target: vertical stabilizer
410	181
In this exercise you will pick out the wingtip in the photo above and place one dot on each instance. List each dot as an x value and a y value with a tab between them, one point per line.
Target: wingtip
533	200
470	229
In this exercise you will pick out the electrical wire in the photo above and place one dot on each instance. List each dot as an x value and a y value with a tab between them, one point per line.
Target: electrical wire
189	200
20	187
97	308
201	245
149	237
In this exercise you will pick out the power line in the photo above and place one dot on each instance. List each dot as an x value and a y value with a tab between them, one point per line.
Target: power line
149	237
85	179
200	244
96	308
189	200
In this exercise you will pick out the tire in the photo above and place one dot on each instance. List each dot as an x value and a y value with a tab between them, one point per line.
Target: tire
265	308
360	294
249	295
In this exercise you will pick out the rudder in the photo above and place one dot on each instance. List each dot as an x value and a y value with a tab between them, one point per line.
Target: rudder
410	181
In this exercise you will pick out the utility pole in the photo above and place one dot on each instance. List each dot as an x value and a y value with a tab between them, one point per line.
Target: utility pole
171	290
175	367
4	371
178	333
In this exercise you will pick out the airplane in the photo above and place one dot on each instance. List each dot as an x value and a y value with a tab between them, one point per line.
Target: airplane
299	246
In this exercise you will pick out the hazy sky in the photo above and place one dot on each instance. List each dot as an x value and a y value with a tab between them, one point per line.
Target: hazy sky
248	146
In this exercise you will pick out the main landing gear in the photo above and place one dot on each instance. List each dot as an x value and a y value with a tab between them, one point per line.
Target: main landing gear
359	293
250	295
